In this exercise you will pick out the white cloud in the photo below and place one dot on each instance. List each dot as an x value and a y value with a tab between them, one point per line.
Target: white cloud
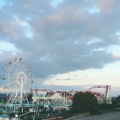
62	38
54	3
7	46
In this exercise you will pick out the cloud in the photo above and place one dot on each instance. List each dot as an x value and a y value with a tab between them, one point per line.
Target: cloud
55	39
106	6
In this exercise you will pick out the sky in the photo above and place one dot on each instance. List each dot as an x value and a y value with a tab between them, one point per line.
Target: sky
69	44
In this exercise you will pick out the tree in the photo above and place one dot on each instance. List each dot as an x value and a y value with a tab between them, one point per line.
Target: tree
118	100
84	102
29	97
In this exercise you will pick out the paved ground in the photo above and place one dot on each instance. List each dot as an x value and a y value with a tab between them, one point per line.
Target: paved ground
105	116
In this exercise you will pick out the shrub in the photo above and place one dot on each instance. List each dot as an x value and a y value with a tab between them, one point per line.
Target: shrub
84	102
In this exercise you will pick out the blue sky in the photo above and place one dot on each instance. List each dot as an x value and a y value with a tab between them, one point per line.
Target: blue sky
69	44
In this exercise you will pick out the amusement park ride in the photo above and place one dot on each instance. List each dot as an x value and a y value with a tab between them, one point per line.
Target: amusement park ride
18	83
105	96
18	80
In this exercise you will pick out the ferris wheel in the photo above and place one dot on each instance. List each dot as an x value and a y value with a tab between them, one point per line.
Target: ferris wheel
19	81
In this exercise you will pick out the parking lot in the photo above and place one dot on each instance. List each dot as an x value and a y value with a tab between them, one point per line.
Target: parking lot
105	116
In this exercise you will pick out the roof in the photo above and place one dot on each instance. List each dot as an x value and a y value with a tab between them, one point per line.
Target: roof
70	97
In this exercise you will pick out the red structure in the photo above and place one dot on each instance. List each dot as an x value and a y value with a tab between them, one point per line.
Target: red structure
106	96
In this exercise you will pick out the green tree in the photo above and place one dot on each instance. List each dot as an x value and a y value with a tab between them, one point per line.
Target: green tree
117	101
29	97
84	102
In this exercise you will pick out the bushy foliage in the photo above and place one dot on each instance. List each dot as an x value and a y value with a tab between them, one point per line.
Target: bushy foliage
29	97
107	106
117	101
84	102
